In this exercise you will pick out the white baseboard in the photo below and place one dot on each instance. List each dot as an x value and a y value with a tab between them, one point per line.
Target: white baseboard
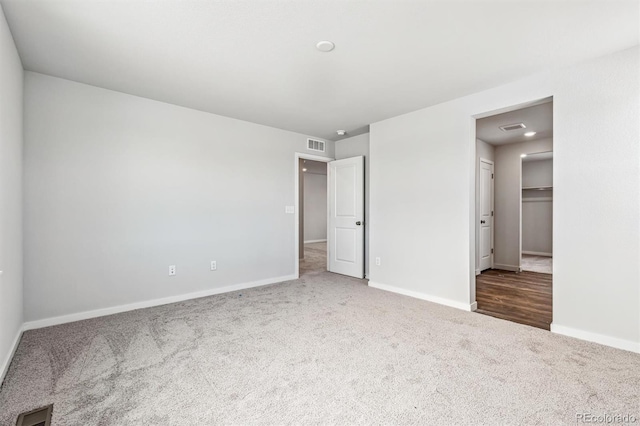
63	319
512	268
4	368
538	253
423	296
315	241
473	307
614	342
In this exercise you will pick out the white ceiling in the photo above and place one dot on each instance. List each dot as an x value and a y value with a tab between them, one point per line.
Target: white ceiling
537	118
256	60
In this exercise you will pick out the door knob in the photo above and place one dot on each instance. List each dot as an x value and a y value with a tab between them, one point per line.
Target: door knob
482	221
358	223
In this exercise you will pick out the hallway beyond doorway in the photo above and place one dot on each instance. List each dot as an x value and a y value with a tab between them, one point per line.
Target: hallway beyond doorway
315	258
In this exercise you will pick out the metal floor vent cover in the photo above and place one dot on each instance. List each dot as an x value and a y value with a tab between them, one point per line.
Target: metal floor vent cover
37	417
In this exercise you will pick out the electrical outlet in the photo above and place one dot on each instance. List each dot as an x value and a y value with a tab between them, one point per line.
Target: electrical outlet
172	270
289	209
378	262
214	265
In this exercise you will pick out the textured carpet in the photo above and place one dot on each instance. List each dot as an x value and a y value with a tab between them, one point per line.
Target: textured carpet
324	349
542	264
315	258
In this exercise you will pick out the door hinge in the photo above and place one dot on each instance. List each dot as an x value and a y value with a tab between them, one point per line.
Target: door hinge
491	175
491	213
491	251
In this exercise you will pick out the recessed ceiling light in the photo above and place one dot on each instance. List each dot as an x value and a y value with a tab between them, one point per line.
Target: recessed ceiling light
529	134
523	155
325	46
341	132
304	170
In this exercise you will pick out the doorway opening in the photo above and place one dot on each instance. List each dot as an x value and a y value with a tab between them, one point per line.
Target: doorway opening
329	203
312	216
514	214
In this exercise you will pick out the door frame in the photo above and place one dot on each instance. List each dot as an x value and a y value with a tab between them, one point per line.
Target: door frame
296	202
493	220
472	183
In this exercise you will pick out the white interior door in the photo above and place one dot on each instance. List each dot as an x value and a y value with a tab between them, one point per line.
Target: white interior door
345	233
486	215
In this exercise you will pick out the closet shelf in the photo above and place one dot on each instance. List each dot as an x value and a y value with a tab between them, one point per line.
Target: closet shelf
539	188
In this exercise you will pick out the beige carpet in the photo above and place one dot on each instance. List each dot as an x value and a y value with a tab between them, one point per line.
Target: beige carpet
324	349
542	264
315	258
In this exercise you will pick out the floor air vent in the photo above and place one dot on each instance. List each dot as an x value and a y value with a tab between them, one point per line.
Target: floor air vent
315	145
39	417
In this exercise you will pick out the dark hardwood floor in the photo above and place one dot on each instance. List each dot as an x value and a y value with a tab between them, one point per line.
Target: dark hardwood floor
524	297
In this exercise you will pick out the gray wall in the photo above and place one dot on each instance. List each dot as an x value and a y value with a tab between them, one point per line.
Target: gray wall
354	147
537	226
486	151
422	220
508	192
119	187
537	173
315	206
11	297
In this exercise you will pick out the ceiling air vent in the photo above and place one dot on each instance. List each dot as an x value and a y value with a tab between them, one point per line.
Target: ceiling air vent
314	145
510	127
